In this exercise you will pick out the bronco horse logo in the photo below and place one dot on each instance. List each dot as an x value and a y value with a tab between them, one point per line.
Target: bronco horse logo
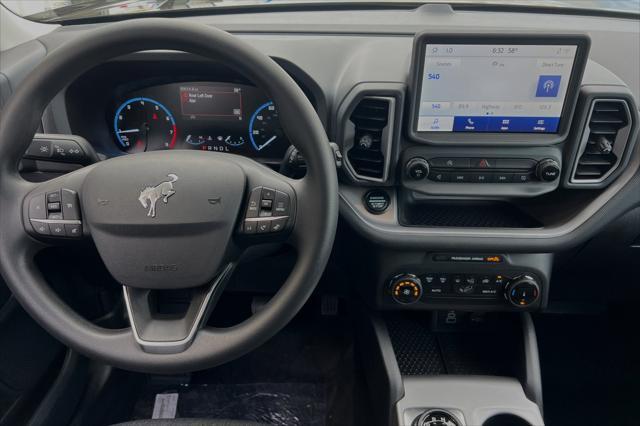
151	194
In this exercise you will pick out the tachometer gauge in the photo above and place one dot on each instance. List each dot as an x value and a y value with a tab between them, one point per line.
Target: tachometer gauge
264	128
143	124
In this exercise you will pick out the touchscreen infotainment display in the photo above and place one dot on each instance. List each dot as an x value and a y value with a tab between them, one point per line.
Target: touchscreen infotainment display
493	88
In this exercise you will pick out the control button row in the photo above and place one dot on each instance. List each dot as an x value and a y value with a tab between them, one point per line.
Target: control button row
482	163
57	228
263	226
484	177
439	284
55	205
267	202
56	150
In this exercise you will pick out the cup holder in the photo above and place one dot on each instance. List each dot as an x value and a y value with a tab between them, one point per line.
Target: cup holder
506	420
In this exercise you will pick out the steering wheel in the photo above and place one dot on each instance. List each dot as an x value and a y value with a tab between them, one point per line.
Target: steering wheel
165	220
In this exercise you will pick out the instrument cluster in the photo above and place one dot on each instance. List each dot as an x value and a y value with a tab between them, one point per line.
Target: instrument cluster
207	116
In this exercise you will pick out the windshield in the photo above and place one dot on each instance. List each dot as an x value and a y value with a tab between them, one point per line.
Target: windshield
64	10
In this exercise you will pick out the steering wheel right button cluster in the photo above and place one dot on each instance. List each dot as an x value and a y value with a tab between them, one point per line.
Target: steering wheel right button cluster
268	211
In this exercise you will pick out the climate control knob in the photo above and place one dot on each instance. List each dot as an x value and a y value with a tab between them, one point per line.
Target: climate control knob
522	291
417	168
405	288
548	170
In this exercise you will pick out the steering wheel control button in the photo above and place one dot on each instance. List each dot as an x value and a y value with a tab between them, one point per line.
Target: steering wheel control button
73	230
57	229
268	194
417	168
250	226
377	201
41	228
281	204
278	225
253	208
37	207
405	289
266	204
70	207
53	197
263	226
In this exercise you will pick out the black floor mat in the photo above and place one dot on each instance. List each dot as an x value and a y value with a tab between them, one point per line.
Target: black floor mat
306	375
272	403
483	351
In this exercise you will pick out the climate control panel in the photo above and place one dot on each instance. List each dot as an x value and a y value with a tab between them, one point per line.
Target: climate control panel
517	289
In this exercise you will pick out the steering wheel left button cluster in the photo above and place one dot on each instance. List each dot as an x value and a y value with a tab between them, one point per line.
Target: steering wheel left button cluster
55	214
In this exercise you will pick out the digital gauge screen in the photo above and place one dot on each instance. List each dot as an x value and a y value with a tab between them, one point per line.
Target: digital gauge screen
512	88
206	116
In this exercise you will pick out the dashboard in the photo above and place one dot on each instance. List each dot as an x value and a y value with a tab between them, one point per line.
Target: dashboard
469	150
536	124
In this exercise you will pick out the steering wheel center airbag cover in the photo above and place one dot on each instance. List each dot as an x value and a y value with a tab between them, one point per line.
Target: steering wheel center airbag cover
163	219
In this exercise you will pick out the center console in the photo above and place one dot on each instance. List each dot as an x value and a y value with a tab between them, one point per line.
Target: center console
512	147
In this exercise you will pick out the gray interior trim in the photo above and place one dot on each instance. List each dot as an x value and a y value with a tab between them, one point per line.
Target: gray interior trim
477	398
385	229
193	321
60	222
533	374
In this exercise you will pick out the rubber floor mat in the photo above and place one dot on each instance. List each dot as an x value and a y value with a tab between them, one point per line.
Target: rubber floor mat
271	403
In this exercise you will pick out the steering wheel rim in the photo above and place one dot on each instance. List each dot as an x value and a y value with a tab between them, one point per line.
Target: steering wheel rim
317	192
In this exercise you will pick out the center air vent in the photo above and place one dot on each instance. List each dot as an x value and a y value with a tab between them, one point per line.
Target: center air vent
372	121
603	142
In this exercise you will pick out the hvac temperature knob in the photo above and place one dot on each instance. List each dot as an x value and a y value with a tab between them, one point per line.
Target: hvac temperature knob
405	288
522	291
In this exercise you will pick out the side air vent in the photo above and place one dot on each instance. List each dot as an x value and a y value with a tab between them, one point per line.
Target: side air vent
603	142
368	154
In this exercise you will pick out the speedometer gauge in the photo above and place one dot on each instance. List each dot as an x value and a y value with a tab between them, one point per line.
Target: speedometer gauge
264	128
142	124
